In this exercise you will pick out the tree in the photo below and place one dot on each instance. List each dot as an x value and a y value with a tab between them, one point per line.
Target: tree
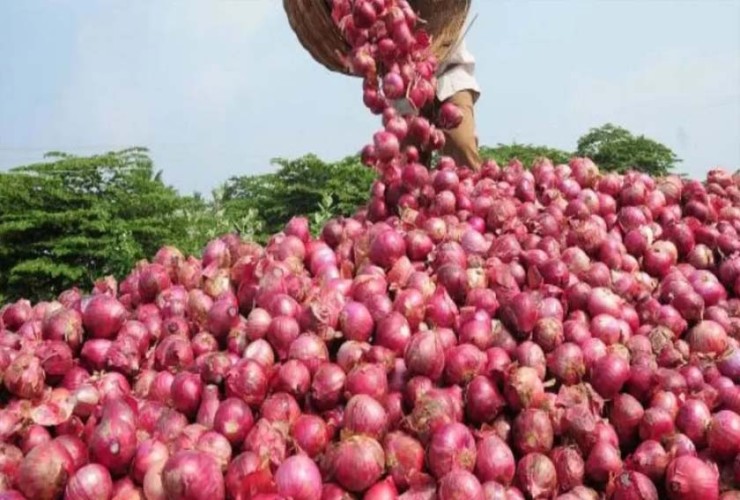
74	219
615	148
304	186
526	153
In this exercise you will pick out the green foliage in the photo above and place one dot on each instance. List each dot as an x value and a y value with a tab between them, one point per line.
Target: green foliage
74	219
526	153
615	148
304	186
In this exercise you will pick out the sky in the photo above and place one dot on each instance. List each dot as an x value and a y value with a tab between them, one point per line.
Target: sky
217	88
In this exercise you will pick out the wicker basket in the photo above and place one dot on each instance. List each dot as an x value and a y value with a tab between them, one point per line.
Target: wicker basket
312	23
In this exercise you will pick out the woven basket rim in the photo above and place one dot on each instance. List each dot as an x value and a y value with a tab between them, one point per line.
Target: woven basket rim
312	24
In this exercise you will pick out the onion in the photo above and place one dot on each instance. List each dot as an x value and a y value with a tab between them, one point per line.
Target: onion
187	389
650	458
280	408
495	461
367	378
536	476
113	444
532	432
603	462
404	458
626	415
569	466
629	485
355	321
299	478
459	483
523	387
689	477
483	402
610	373
693	419
247	380
149	454
452	446
90	482
364	415
327	386
44	471
723	434
233	420
655	424
24	377
357	462
194	475
310	434
425	355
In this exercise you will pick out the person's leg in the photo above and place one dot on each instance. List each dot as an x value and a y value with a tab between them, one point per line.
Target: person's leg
461	143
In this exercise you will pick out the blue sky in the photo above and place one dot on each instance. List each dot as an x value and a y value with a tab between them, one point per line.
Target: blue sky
217	88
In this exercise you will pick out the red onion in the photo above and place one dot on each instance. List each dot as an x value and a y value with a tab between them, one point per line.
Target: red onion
367	378
483	402
452	446
298	478
113	444
364	415
610	373
425	355
267	440
655	424
629	485
569	466
532	432
689	477
356	463
707	337
292	377
24	377
193	475
626	415
44	471
404	458
603	462
393	332
327	386
693	419
217	446
459	483
187	389
495	461
650	458
356	322
233	419
723	434
310	435
90	482
523	387
149	454
103	317
536	476
280	407
247	380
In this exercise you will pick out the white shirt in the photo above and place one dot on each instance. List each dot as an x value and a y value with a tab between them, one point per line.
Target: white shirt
455	74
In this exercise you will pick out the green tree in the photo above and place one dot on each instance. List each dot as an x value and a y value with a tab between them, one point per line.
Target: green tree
615	148
74	219
304	186
526	153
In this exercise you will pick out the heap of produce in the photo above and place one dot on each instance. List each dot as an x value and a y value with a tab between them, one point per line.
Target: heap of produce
551	332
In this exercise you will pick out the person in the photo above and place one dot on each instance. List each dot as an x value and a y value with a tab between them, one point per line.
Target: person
456	83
